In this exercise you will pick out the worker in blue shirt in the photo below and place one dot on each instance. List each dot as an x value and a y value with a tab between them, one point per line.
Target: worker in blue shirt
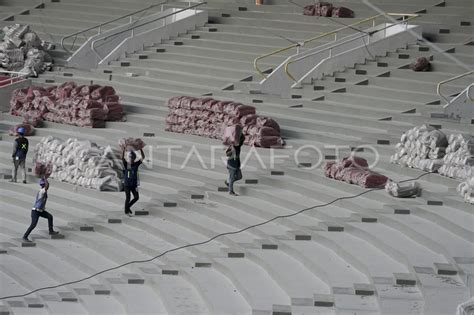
20	150
39	210
130	179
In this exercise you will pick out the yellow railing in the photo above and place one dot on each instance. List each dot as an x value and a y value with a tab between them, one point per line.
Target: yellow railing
438	87
350	26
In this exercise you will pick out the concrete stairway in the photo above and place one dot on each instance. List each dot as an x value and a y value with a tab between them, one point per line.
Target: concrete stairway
369	255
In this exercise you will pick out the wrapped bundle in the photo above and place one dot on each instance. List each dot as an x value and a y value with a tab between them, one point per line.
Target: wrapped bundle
22	50
84	106
421	147
459	157
399	191
208	117
135	143
466	188
232	135
78	162
353	170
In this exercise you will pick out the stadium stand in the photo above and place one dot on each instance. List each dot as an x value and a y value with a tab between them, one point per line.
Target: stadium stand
373	254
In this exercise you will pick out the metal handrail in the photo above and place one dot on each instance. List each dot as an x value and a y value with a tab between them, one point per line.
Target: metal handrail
287	71
99	26
297	45
137	26
438	87
20	76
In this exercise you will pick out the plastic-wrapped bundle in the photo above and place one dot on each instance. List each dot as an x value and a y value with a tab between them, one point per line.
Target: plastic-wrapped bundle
400	191
421	147
352	170
134	143
82	163
208	117
466	188
459	156
22	50
84	106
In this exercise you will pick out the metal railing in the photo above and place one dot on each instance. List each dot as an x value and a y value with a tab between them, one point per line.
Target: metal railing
14	76
438	87
410	17
99	26
131	29
335	32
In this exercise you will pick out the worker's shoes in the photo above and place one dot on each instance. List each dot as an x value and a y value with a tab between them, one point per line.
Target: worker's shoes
24	182
233	193
53	232
26	240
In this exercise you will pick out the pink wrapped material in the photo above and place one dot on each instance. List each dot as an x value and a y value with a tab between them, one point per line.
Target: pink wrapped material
232	135
208	117
353	170
102	93
268	122
328	169
247	120
33	118
342	12
135	143
69	104
42	170
354	161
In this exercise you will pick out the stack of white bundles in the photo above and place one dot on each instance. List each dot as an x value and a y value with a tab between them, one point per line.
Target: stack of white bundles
466	188
459	158
421	147
21	49
82	163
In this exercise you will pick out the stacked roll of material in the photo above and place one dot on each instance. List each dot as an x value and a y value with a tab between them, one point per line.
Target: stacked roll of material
354	170
82	163
466	188
431	150
208	117
459	158
22	50
83	106
422	147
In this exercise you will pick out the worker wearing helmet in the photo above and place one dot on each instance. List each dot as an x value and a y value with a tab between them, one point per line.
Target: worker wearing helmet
20	150
39	210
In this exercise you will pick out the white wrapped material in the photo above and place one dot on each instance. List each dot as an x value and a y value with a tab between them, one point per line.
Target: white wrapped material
466	188
81	163
431	150
459	157
396	190
22	50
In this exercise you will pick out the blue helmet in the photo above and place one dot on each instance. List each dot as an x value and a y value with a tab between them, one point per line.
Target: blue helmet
20	131
42	182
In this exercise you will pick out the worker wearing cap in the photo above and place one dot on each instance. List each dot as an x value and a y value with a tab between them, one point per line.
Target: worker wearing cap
20	150
38	210
130	178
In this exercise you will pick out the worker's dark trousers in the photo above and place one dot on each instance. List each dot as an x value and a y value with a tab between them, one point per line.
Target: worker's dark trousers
34	220
128	203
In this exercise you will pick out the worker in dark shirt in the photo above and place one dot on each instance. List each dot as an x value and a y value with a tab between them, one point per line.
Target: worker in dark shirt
233	165
130	179
20	150
39	210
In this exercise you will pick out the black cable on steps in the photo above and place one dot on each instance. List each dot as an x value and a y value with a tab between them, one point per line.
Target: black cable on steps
200	243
